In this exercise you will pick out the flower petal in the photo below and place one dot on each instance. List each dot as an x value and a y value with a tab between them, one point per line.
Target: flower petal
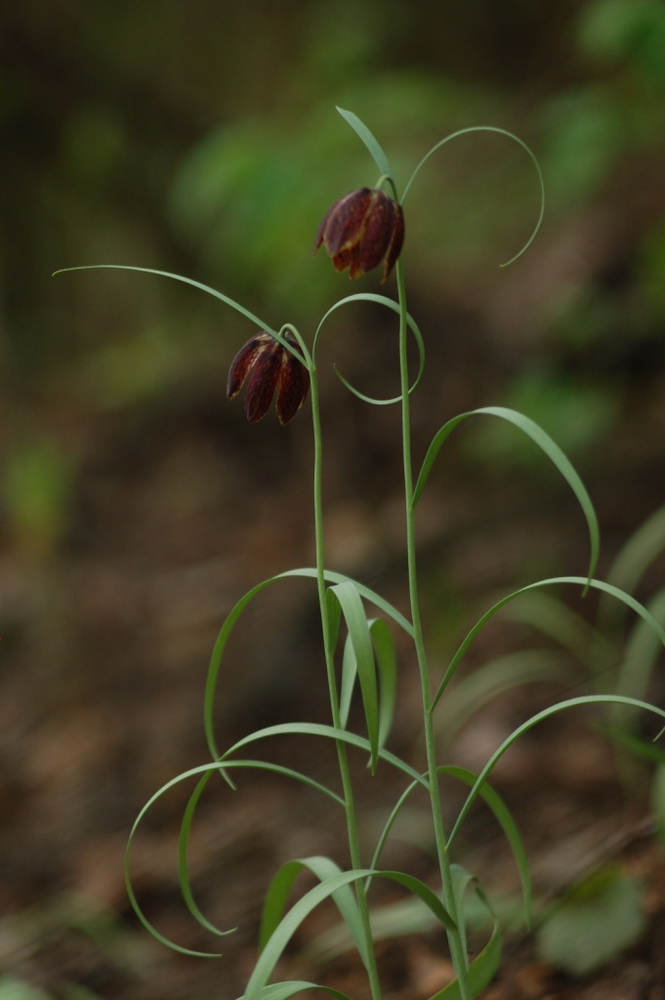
396	242
292	387
262	381
360	229
377	234
244	361
345	222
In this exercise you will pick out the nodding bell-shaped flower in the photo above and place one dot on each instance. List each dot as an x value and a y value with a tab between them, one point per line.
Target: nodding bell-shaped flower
269	368
360	229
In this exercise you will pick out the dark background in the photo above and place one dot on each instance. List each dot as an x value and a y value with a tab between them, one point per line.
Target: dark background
138	506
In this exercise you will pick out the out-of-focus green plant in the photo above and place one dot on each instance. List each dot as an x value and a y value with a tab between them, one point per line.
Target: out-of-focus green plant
37	487
628	34
597	920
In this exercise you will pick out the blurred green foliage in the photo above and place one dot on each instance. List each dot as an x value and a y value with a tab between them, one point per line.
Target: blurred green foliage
206	142
599	918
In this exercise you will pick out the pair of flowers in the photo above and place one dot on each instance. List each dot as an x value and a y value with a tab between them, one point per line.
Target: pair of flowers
358	231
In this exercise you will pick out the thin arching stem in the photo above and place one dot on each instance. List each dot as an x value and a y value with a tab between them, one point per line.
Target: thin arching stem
455	939
342	757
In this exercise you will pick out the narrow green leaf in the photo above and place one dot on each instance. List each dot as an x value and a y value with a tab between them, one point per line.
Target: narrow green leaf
334	618
274	947
375	150
195	772
509	135
284	991
461	879
501	813
178	277
386	665
596	699
394	813
596	584
544	442
279	891
203	772
481	971
326	732
639	552
505	819
236	611
488	681
642	652
412	325
183	860
423	892
348	683
359	636
286	772
549	615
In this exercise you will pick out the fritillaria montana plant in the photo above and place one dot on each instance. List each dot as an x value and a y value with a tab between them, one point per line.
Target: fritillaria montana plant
362	230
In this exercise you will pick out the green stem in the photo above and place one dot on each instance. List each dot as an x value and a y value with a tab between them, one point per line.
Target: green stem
344	770
455	938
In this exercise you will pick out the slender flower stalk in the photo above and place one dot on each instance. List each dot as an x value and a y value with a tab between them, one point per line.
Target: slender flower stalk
342	757
457	949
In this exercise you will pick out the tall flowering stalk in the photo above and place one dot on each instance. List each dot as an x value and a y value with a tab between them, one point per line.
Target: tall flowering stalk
360	231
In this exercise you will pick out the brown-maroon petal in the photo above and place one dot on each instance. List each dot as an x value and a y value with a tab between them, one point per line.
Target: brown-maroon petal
292	387
262	381
376	235
343	224
244	361
396	242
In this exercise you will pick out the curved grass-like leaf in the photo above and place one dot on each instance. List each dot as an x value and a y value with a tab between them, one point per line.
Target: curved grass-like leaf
178	277
284	991
488	681
183	865
274	947
326	732
501	813
483	968
204	772
359	650
277	896
641	655
596	584
333	620
505	819
544	442
586	700
386	667
550	616
411	324
638	553
236	611
190	809
386	663
195	772
460	879
301	354
372	144
509	135
630	565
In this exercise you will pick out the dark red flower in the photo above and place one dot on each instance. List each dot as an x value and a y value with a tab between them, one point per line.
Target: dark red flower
269	368
360	230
